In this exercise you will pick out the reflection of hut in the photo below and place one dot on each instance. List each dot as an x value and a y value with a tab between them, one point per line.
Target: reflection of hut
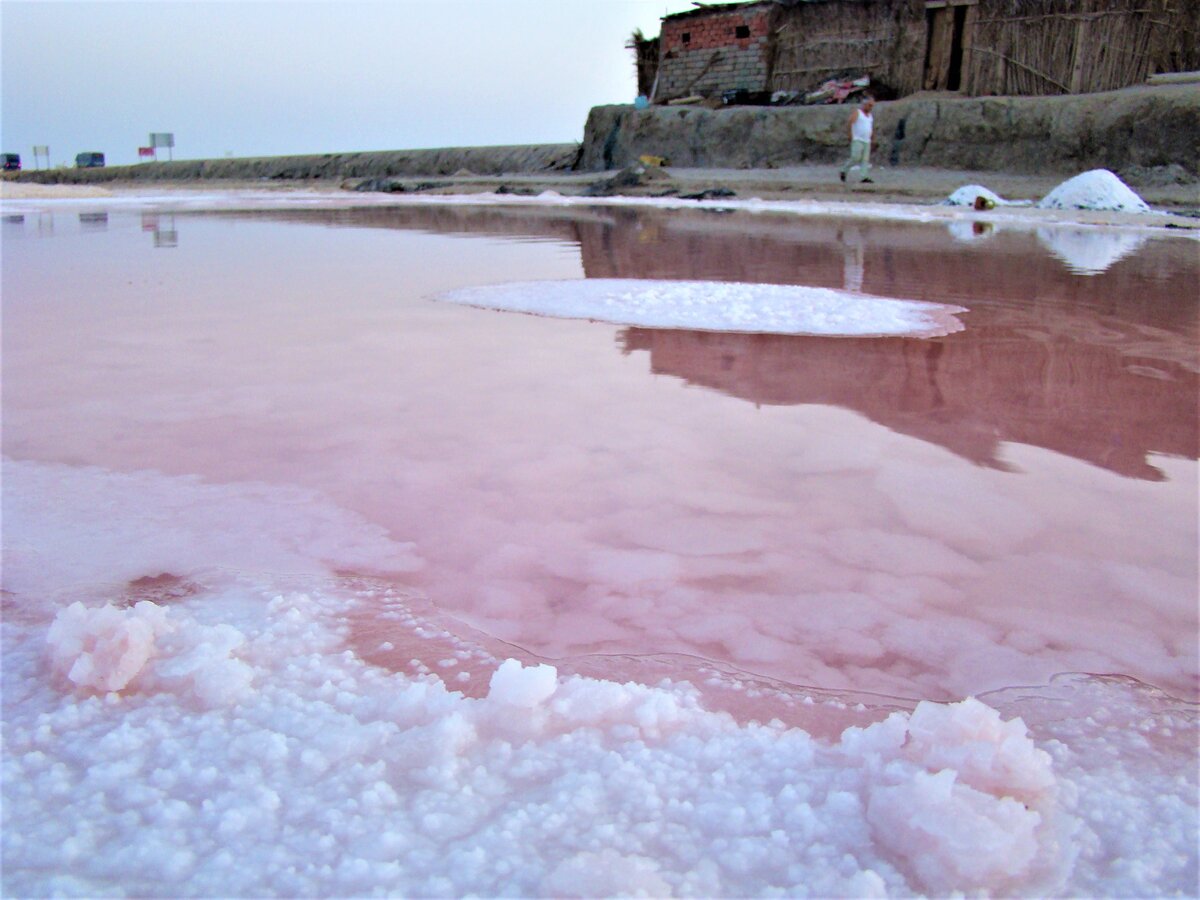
978	47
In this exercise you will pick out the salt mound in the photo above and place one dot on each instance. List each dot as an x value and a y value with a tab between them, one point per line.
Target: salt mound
717	306
965	196
1098	189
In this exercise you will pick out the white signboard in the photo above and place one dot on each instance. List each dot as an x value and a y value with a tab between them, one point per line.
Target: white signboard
162	139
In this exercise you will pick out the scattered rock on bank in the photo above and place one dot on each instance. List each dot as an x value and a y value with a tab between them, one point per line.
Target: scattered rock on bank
393	186
1098	189
633	176
717	193
1158	176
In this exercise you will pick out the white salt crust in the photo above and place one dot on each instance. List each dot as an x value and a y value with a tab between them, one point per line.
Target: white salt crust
224	742
717	306
246	753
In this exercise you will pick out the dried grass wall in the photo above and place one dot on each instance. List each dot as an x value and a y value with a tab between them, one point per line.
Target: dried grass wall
1081	46
645	54
884	39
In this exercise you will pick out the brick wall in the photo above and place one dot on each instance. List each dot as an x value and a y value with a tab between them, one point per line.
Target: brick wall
704	53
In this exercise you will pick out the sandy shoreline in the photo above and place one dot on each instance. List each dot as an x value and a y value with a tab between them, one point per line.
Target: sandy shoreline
910	194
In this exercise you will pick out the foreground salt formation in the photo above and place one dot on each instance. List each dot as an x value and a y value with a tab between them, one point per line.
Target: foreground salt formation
196	747
230	746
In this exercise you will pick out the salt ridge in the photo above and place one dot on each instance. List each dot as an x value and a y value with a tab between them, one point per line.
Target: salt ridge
717	306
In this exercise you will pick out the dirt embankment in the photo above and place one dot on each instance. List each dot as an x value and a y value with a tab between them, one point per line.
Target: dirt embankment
1136	129
1021	147
535	158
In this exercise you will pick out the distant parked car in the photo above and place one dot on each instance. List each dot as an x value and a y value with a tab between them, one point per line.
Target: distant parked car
12	162
89	160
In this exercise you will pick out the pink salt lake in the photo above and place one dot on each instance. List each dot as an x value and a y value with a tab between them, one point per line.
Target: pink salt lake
915	518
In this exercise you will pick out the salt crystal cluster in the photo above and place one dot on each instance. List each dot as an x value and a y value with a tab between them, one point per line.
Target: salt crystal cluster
104	649
960	796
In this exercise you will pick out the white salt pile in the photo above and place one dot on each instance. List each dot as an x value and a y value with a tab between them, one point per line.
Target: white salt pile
967	195
1098	189
717	306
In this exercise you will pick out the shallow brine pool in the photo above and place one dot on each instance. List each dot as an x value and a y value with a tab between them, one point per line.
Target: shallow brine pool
283	489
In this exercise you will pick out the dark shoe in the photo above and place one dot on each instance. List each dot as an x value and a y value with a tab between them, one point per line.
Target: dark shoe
842	175
867	181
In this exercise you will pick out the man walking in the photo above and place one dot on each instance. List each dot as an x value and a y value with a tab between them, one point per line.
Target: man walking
861	126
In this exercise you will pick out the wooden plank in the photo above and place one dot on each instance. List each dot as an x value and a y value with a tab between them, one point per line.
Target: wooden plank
968	39
1173	78
1081	51
940	36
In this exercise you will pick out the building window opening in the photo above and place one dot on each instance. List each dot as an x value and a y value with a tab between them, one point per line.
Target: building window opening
742	31
687	37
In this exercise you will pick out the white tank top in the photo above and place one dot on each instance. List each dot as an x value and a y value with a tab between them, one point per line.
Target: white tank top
862	127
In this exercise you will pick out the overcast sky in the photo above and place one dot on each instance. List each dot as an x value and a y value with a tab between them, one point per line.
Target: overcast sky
266	78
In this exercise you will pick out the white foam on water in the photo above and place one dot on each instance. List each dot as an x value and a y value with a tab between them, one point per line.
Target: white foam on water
717	306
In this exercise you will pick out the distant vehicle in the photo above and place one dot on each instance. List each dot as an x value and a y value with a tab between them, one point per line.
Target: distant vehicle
89	160
12	162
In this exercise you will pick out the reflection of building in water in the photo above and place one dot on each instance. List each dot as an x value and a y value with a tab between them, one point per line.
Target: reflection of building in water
162	227
968	393
1102	368
93	221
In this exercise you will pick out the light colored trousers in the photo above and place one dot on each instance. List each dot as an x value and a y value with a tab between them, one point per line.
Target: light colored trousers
860	159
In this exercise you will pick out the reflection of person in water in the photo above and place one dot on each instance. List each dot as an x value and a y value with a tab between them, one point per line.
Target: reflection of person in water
853	254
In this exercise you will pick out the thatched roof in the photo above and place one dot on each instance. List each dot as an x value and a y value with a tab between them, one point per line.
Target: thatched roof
706	8
703	9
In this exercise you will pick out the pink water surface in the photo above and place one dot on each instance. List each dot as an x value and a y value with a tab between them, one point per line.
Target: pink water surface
916	518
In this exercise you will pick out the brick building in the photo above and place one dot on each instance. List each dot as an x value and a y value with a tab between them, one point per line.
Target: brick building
977	47
714	49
